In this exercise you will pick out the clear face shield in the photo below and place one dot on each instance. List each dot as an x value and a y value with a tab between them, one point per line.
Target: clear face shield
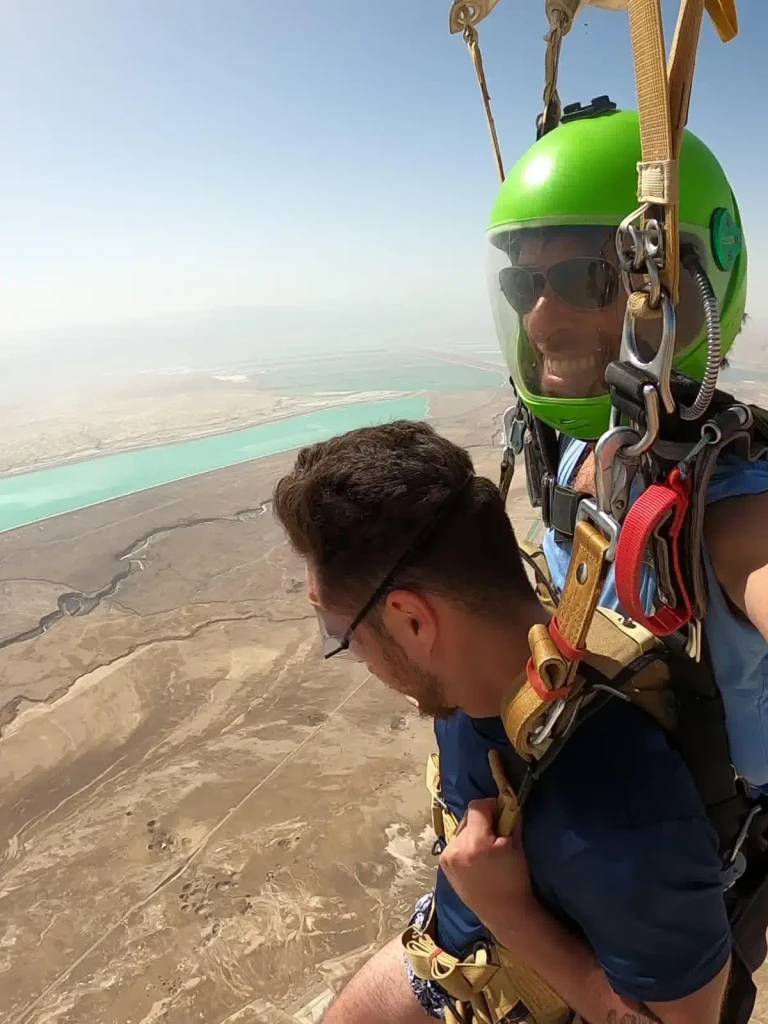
558	303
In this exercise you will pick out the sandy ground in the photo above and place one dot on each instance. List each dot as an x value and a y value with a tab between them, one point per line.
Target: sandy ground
199	819
71	425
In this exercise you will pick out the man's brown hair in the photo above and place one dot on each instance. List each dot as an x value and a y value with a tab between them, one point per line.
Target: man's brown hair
352	506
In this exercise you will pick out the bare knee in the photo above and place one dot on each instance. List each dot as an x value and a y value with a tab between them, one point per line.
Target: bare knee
380	993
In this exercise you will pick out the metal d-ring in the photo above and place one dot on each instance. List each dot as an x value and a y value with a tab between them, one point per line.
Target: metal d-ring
660	367
652	425
615	472
654	239
544	731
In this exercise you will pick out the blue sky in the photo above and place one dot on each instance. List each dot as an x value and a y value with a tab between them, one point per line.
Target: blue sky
196	154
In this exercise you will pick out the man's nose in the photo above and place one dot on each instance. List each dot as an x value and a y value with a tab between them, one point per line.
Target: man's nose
549	313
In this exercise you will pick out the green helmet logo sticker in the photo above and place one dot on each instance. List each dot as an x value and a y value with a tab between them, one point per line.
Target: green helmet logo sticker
726	238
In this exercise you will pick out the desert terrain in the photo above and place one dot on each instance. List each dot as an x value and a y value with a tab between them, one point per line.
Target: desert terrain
78	423
199	819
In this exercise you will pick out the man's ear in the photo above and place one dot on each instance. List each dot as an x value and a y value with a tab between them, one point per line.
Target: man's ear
311	581
412	621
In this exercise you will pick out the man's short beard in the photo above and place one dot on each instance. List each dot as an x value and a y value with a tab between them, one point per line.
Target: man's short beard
408	678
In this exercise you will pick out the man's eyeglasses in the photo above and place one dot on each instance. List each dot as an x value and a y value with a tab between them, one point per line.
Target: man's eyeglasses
334	641
585	282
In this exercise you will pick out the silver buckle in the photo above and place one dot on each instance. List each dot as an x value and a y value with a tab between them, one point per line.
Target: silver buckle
603	521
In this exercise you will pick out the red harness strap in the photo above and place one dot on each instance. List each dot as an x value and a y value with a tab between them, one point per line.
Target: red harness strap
541	688
568	651
653	506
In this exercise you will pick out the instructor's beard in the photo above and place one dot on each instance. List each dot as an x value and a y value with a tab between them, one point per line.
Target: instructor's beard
408	678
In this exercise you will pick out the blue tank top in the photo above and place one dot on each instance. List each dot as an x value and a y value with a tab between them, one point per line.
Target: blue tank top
738	651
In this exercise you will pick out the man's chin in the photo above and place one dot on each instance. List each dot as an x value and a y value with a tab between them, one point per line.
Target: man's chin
569	387
440	713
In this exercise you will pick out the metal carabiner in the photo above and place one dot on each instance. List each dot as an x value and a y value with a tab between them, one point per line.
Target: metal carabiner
651	288
660	367
512	430
614	470
652	423
741	838
632	252
735	863
605	522
693	643
544	731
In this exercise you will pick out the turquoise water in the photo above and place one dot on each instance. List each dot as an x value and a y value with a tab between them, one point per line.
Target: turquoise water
401	371
30	497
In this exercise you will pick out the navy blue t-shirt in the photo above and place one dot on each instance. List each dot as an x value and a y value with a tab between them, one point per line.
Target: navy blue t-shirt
618	845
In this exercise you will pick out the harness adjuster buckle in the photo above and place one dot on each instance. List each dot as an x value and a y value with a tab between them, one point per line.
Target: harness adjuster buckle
544	693
603	521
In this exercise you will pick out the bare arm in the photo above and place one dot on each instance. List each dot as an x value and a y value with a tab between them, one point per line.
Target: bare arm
571	968
490	875
736	531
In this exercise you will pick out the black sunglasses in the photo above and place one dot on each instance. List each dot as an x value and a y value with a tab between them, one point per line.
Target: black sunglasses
333	645
586	282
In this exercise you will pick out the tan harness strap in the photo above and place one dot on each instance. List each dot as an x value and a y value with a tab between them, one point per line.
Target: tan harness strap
506	474
582	586
723	15
560	14
682	62
657	171
463	17
473	45
508	805
663	98
492	982
527	705
444	822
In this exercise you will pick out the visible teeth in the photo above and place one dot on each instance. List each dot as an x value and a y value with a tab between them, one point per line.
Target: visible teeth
562	366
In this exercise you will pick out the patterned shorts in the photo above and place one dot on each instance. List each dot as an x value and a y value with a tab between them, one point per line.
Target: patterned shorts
432	998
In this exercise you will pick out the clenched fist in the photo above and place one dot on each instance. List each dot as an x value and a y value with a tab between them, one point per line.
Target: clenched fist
489	873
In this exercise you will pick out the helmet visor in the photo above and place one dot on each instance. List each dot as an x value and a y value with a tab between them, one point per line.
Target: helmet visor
558	303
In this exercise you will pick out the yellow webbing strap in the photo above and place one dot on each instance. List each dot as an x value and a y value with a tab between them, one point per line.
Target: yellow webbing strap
663	97
524	709
508	807
462	979
492	982
657	171
682	62
445	823
723	15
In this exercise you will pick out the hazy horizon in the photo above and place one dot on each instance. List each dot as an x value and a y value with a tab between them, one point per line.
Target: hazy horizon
154	165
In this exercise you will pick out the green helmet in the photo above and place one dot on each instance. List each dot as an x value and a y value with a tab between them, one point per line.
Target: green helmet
553	272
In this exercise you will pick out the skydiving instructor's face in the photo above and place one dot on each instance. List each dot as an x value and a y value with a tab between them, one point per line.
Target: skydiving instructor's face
573	344
569	294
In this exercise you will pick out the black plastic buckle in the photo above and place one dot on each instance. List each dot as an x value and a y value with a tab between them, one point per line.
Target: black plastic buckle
564	509
599	105
547	485
626	383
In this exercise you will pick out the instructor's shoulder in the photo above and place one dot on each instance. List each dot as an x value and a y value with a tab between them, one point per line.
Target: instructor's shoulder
736	532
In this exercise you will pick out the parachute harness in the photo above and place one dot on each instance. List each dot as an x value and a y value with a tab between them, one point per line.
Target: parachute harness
668	515
587	654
